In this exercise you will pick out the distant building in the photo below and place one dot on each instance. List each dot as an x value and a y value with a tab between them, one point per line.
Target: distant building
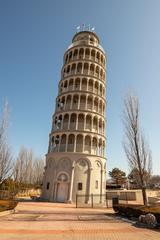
75	162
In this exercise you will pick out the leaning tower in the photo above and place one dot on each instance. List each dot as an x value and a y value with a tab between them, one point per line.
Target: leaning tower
75	162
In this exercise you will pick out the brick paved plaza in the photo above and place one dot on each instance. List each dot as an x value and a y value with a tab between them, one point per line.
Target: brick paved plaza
42	220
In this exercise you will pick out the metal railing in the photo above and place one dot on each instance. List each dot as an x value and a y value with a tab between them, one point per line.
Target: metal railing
92	201
106	200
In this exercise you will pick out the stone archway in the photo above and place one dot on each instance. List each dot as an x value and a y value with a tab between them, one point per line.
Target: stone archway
81	182
62	187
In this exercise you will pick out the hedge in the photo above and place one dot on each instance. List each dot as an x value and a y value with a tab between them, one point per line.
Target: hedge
131	211
7	205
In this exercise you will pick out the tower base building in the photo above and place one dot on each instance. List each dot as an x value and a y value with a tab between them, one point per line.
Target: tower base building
75	162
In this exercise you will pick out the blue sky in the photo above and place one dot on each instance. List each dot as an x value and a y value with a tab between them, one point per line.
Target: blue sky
33	37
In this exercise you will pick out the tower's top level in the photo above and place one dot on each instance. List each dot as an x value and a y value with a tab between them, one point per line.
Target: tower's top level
86	35
86	38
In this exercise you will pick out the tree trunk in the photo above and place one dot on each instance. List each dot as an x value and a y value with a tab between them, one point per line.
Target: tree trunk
144	195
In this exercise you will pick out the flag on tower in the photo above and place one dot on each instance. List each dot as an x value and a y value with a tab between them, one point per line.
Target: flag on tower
78	27
83	27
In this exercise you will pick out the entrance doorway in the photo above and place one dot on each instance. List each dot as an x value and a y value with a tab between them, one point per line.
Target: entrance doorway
62	193
62	188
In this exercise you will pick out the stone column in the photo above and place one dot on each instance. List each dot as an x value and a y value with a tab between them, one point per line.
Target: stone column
82	70
55	191
75	143
71	186
66	143
62	122
77	121
69	120
87	85
71	104
89	185
52	191
101	186
80	86
84	54
59	143
79	99
91	145
83	143
86	102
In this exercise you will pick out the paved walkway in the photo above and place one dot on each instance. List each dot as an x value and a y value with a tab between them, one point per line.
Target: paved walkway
51	221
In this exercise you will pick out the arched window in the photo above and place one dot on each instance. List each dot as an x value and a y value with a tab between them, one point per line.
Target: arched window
103	108
60	88
88	122
68	69
90	85
100	90
100	126
59	122
89	103
79	145
84	84
77	84
82	102
96	184
86	67
95	124
70	55
103	148
56	145
73	121
103	127
102	59
68	102
81	121
66	58
97	71
52	144
75	54
75	102
71	141
94	146
62	177
93	55
92	69
81	52
63	143
96	88
65	86
100	147
65	121
79	68
100	107
70	87
87	53
98	56
87	147
95	105
73	69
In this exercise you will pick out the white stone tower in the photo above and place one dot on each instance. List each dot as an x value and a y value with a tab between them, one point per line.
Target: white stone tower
75	162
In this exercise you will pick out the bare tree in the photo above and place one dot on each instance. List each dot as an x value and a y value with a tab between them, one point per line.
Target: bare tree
28	169
135	181
155	181
23	170
5	151
38	169
135	146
